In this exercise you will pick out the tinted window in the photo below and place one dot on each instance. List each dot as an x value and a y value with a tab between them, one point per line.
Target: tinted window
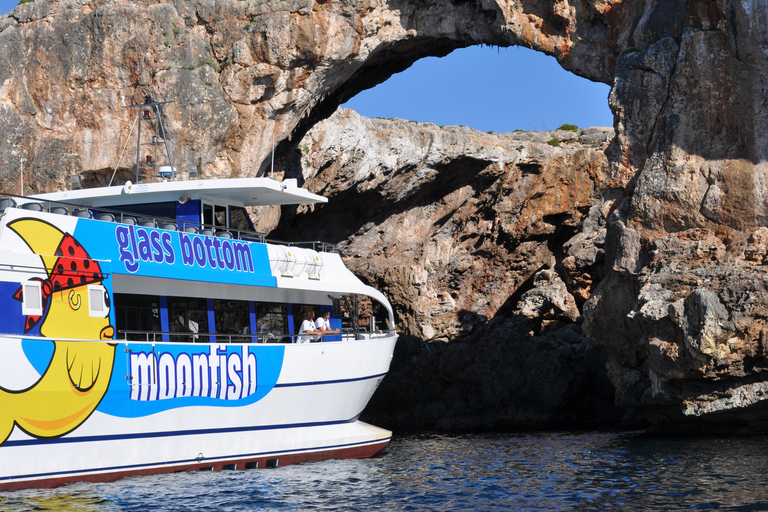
231	317
239	219
271	318
137	313
187	315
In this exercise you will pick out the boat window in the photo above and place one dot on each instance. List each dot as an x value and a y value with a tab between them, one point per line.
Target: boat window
298	314
214	215
380	319
98	301
239	219
271	319
360	313
187	316
231	317
208	214
220	216
32	302
137	313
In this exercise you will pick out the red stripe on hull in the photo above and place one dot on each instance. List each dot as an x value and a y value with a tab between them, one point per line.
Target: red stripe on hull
357	452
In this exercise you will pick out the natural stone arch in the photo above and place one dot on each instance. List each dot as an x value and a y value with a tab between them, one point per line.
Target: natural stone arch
688	94
274	68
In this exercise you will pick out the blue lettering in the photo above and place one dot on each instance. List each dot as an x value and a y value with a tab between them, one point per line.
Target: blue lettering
157	250
243	258
229	255
170	257
210	252
140	244
187	251
145	252
132	231
123	235
217	252
199	251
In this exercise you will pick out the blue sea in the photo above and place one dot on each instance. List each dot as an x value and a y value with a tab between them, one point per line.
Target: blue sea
541	471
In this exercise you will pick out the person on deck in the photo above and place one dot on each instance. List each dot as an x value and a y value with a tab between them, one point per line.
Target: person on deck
323	325
308	327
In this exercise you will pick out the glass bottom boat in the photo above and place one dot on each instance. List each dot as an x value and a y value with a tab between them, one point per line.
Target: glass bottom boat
147	329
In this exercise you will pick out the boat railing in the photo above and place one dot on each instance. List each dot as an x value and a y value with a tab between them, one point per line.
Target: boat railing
315	245
8	200
190	337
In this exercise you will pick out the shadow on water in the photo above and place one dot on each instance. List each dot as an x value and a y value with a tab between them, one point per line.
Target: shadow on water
543	471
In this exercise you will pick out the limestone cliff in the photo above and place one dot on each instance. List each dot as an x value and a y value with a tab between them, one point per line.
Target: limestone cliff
255	72
679	303
450	222
473	237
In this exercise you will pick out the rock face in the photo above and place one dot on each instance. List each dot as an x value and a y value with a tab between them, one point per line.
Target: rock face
682	308
247	74
661	245
450	222
457	227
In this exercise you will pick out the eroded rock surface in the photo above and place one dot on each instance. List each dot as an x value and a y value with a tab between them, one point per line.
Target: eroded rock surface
245	74
473	237
682	308
449	222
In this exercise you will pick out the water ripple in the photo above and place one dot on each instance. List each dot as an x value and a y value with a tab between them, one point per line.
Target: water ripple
550	471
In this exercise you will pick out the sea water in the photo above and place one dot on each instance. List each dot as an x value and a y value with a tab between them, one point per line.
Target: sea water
542	471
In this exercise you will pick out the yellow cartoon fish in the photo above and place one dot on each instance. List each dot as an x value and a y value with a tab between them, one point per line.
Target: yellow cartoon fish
78	374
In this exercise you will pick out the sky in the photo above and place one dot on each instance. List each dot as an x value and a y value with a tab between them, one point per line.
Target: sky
489	89
486	88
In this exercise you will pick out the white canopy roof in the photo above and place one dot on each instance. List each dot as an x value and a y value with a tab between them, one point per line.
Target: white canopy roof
240	191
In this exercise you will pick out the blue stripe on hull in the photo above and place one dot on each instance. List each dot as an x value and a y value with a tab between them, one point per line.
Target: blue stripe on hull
182	462
227	430
175	433
319	383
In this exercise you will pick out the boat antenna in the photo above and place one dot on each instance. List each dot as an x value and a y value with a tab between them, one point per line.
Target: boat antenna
142	107
272	171
165	141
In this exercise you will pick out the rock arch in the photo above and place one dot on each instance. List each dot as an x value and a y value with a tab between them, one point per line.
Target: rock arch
272	66
685	172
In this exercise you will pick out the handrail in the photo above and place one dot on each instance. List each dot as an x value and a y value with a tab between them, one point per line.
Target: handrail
157	222
316	245
124	340
193	337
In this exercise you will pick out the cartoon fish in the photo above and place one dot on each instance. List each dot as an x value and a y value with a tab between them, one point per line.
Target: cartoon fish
77	376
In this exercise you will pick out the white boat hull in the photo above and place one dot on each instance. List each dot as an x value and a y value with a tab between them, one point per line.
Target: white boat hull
309	414
80	402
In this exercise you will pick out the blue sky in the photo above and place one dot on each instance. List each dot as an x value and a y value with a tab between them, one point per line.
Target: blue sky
487	88
490	89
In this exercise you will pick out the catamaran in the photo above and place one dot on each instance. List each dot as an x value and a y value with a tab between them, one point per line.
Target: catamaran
147	328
